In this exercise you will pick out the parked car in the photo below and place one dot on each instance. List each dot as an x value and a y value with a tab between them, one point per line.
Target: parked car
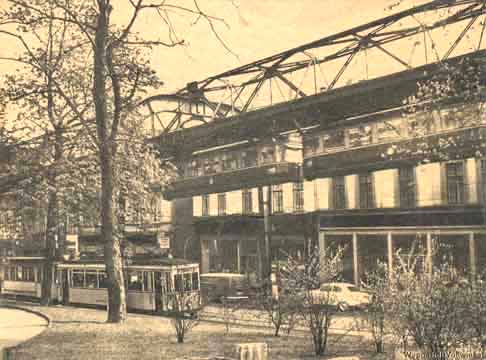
344	296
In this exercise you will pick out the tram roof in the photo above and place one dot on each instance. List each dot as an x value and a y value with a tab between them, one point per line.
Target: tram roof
133	262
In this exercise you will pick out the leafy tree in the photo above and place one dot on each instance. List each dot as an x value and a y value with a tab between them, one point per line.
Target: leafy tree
102	74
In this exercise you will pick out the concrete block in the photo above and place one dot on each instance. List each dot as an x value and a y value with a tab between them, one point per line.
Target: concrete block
251	351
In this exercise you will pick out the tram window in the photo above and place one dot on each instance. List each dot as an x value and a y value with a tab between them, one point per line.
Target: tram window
13	273
188	282
178	280
77	279
146	281
135	281
91	280
103	280
195	281
27	273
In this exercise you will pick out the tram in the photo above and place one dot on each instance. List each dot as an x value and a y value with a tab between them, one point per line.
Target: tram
153	285
22	276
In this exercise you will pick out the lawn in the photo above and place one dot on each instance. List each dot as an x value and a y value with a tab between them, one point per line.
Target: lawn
78	333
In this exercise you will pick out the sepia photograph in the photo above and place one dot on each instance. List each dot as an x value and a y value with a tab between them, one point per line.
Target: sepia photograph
242	179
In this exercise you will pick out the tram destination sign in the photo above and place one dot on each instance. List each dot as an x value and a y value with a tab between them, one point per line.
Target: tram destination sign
163	240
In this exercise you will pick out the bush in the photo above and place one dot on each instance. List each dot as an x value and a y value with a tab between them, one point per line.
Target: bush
431	308
303	283
185	316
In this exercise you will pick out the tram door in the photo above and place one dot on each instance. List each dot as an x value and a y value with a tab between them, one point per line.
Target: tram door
65	286
158	291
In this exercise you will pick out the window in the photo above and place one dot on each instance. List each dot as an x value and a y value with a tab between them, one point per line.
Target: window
178	282
77	279
248	158
135	281
205	205
277	197
247	201
339	192
195	281
91	279
483	179
103	280
366	191
222	204
406	179
455	183
27	273
298	196
188	282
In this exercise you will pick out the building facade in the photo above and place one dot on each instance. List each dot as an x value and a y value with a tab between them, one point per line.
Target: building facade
342	168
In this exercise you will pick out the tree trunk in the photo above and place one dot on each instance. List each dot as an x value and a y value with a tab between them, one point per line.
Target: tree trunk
112	251
50	248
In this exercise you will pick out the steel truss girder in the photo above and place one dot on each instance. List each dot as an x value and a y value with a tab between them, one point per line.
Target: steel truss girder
374	34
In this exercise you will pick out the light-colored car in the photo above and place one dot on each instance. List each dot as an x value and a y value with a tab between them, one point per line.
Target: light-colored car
344	296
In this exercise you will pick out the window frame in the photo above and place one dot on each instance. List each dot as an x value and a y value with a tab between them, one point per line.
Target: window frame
455	182
205	204
277	199
338	187
407	187
366	191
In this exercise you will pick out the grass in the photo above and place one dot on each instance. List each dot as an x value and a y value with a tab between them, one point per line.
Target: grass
79	333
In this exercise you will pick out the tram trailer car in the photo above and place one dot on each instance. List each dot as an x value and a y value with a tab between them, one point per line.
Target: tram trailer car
152	285
22	276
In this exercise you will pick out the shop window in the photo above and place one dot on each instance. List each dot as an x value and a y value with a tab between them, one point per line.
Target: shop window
277	199
77	279
339	192
455	183
406	179
298	191
205	205
247	201
366	195
222	204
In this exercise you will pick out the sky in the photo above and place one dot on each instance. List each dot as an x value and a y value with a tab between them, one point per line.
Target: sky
258	28
255	29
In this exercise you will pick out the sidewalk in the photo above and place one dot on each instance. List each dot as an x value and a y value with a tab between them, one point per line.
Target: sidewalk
17	326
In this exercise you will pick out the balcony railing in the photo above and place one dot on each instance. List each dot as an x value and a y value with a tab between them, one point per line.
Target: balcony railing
462	142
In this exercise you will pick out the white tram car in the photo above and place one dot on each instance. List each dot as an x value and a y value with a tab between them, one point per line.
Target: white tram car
152	284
